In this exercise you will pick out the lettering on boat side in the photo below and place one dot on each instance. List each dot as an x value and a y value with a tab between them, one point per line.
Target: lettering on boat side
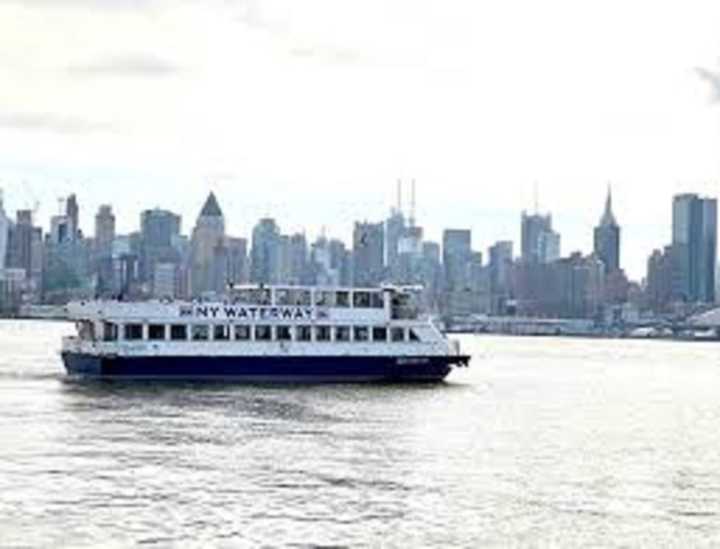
263	313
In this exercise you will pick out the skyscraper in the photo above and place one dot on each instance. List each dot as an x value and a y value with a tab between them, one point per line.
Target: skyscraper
265	253
694	248
607	238
368	254
208	236
540	244
4	230
159	230
457	254
104	237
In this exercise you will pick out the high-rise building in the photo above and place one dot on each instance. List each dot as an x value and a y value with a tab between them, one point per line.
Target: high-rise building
238	271
20	242
72	211
266	253
394	231
206	253
695	248
368	254
104	238
457	254
4	232
607	238
500	267
540	244
159	232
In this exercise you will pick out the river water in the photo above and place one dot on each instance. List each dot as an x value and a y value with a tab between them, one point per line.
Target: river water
543	442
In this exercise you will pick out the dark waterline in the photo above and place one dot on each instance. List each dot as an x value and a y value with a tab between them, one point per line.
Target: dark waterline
542	442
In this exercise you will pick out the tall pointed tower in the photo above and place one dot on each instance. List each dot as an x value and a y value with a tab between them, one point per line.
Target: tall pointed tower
208	260
607	237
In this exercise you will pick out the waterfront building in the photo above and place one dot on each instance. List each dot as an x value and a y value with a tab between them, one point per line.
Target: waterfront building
457	261
265	263
368	254
394	231
431	276
607	238
694	248
540	243
207	254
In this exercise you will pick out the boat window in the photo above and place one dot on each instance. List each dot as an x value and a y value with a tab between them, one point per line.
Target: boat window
133	332
221	332
242	333
282	297
86	330
284	333
414	336
379	333
200	332
300	297
397	334
322	333
110	331
376	300
342	333
263	333
303	333
361	333
156	332
342	299
178	332
403	307
361	300
252	296
324	298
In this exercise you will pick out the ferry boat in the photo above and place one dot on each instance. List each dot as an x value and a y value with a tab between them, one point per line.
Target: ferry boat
260	334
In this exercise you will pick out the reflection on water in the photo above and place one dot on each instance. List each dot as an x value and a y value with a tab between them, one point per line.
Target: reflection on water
541	442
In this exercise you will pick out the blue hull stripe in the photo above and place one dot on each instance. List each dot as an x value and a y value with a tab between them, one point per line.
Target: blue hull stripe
264	369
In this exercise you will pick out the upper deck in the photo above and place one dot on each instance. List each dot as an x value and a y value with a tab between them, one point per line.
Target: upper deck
251	304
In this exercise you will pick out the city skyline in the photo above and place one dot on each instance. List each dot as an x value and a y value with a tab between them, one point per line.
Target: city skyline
510	222
324	118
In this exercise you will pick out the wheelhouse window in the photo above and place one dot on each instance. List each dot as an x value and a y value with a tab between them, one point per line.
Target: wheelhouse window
414	336
379	333
178	332
303	333
361	300
322	333
242	333
200	332
133	332
110	331
397	334
156	332
263	333
221	332
361	333
342	333
284	333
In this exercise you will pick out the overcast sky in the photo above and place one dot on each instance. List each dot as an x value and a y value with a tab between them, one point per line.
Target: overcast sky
310	110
